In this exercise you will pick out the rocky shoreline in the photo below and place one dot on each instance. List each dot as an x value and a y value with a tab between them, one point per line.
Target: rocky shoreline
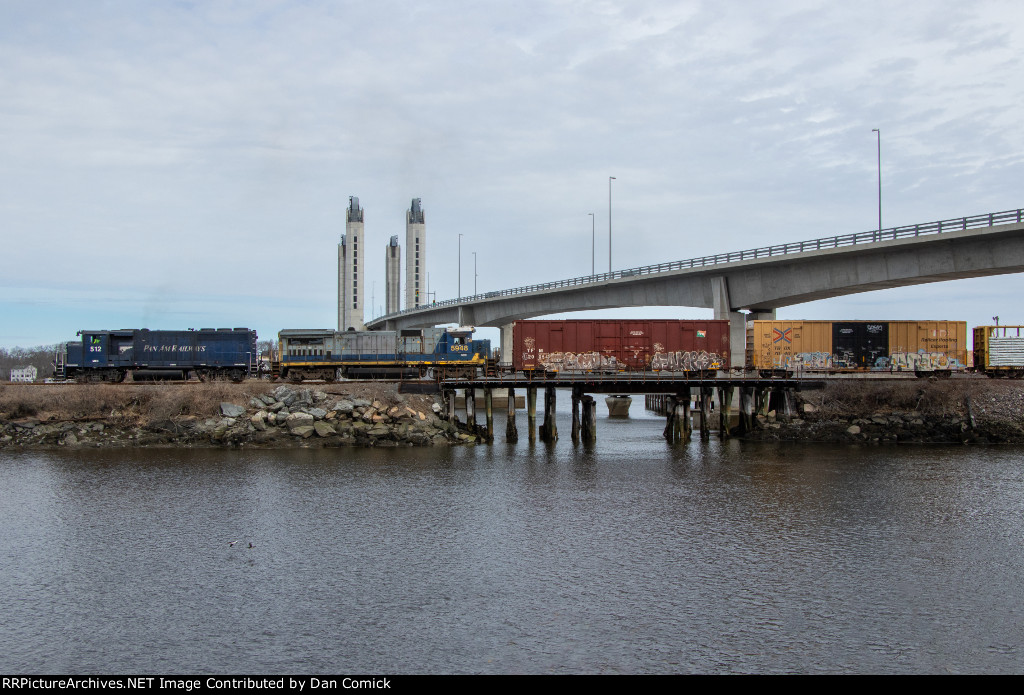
264	415
267	417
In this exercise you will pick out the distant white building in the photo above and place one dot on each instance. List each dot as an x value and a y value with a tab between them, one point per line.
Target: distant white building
27	374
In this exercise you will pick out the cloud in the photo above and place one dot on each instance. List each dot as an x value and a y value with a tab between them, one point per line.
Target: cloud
210	147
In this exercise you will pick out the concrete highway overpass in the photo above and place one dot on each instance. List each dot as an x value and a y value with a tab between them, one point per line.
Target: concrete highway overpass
757	281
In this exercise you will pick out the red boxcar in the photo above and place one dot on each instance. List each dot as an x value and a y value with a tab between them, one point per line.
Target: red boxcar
619	345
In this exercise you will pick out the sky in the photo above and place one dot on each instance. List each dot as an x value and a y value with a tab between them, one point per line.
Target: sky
188	164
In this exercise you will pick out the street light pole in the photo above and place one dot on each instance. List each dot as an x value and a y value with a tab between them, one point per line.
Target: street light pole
474	273
610	179
460	266
876	130
593	241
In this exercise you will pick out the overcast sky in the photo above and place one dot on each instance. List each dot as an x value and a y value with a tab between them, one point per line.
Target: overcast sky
188	164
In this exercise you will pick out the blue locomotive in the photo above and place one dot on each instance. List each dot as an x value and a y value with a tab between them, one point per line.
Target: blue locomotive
328	354
207	353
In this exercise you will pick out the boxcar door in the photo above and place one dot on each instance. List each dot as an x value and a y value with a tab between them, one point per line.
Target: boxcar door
858	345
608	343
636	344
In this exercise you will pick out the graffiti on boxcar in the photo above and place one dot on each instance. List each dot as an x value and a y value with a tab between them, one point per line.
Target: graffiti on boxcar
919	361
686	361
804	360
578	362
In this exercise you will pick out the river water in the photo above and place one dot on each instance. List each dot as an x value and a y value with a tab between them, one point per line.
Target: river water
630	556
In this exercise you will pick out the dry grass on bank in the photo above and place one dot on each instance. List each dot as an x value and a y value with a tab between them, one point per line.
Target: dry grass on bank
939	397
123	402
144	403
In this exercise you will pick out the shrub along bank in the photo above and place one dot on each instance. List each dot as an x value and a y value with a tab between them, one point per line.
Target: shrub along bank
964	410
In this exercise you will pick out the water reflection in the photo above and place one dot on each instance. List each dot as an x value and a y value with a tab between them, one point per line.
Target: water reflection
631	556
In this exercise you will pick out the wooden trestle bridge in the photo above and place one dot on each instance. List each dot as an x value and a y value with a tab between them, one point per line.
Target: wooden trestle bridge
673	396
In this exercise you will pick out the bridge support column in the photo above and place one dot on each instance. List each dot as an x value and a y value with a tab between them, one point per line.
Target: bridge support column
576	393
506	343
737	321
531	412
511	431
489	414
471	410
588	428
724	411
466	315
549	430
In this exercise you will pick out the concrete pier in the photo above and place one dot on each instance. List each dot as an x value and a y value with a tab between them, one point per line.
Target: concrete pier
511	431
618	406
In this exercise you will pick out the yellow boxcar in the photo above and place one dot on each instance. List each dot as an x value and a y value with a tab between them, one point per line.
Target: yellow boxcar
999	350
793	347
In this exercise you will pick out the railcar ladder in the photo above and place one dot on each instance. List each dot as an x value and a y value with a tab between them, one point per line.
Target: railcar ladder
59	366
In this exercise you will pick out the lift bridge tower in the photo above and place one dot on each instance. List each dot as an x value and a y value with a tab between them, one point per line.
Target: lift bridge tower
351	270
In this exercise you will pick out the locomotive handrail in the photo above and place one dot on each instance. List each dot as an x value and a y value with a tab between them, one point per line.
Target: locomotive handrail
842	240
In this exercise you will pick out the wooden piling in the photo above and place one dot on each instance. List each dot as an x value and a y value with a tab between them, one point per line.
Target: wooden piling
762	402
705	413
686	429
471	410
588	427
576	393
549	430
724	411
785	412
531	412
453	417
511	431
746	409
669	411
489	414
